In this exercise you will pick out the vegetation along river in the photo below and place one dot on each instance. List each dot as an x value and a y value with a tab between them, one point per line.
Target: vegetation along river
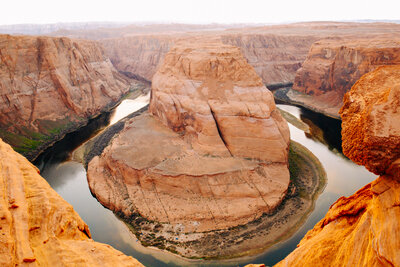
68	178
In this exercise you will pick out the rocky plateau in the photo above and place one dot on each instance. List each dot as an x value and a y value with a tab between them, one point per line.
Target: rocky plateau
276	52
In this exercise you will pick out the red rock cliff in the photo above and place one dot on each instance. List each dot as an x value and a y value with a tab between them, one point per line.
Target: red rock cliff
50	85
334	65
363	229
276	52
38	227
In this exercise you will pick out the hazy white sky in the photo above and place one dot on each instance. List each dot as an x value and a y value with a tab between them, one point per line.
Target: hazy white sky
195	11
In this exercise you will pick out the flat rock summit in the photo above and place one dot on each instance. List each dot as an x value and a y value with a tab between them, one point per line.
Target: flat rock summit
211	153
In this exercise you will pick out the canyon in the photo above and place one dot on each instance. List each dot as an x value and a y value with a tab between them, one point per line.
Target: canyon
363	229
50	86
38	227
203	171
276	52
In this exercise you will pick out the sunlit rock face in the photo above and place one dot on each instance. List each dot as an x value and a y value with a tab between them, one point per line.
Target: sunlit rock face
363	229
38	227
211	153
49	86
334	65
217	101
371	120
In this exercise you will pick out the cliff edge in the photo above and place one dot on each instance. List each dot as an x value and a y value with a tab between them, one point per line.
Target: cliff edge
38	227
363	229
50	86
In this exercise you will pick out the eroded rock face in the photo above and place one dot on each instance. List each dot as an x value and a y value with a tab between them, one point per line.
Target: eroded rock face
275	58
51	85
216	100
38	227
276	52
371	120
363	229
193	163
334	65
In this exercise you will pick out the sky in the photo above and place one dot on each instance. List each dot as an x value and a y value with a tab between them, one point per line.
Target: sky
195	11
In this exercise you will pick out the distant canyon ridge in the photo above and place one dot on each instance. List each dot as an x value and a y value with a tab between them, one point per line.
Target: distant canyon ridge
321	59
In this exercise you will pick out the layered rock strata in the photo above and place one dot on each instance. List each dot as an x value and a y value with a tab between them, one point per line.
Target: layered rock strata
38	227
49	86
276	52
334	65
211	153
363	229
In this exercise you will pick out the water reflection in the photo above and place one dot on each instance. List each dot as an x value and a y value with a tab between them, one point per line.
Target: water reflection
69	180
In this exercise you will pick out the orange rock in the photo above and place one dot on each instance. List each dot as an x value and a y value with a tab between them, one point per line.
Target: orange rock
214	98
363	229
49	86
334	65
37	226
371	120
276	52
200	162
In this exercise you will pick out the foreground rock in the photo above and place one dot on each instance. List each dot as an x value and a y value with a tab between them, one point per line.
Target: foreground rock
371	120
211	154
334	65
38	227
49	86
363	229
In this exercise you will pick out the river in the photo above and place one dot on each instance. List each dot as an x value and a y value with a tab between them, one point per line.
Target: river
68	178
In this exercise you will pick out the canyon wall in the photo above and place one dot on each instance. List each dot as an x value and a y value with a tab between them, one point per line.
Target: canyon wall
334	65
49	86
138	56
275	58
363	229
276	52
38	227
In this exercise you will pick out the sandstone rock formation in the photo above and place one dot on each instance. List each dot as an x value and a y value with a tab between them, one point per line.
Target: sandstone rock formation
38	227
213	96
212	153
371	119
138	56
276	52
363	229
334	65
49	86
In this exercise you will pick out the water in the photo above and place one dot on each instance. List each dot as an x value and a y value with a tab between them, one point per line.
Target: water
68	178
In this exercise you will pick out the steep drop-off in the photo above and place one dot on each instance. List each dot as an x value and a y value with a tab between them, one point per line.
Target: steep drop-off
211	154
49	86
334	65
38	227
363	229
